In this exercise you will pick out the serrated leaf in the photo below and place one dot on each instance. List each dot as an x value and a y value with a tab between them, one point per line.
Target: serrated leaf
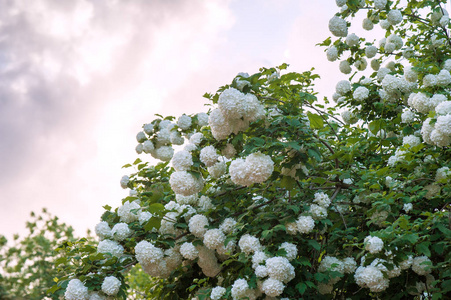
316	122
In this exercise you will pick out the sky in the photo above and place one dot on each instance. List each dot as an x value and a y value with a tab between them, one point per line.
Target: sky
79	79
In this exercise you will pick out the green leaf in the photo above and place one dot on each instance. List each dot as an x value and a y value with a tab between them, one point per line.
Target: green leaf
314	244
316	122
126	166
423	248
154	222
315	154
137	161
156	208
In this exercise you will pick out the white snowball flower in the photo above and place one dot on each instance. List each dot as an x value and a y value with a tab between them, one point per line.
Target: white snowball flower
443	125
361	64
76	290
208	156
443	108
190	147
333	264
372	278
389	47
322	199
112	247
217	293
141	137
332	53
120	231
422	265
144	216
396	40
345	67
139	148
256	168
147	253
202	119
248	244
291	250
185	183
411	140
342	87
370	51
272	287
340	3
408	117
375	64
442	174
407	207
128	212
318	212
367	24
124	181
220	126
148	128
230	103
380	4
338	27
196	138
111	285
349	265
197	225
429	80
189	251
410	75
279	268
373	244
103	230
239	289
361	93
96	296
163	153
148	146
384	24
214	238
348	117
352	40
443	78
176	138
305	224
218	169
394	17
228	225
261	271
228	151
190	200
184	122
182	160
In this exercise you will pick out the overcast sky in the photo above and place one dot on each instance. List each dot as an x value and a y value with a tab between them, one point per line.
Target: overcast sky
80	77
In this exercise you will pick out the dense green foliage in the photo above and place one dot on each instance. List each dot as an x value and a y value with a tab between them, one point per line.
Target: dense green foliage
375	186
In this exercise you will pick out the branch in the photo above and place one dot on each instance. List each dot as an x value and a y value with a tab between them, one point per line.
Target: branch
337	163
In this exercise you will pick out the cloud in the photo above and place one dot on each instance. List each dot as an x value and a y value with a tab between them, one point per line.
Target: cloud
77	74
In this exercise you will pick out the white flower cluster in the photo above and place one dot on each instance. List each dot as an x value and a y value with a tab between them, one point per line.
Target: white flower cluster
371	277
290	249
421	265
235	111
120	231
249	244
277	269
185	183
304	224
208	156
256	168
111	285
189	251
361	93
399	156
338	27
241	290
128	212
217	293
373	244
197	225
109	246
103	230
182	160
348	117
76	290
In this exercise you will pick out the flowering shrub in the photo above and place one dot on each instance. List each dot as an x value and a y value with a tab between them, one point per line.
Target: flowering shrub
273	194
